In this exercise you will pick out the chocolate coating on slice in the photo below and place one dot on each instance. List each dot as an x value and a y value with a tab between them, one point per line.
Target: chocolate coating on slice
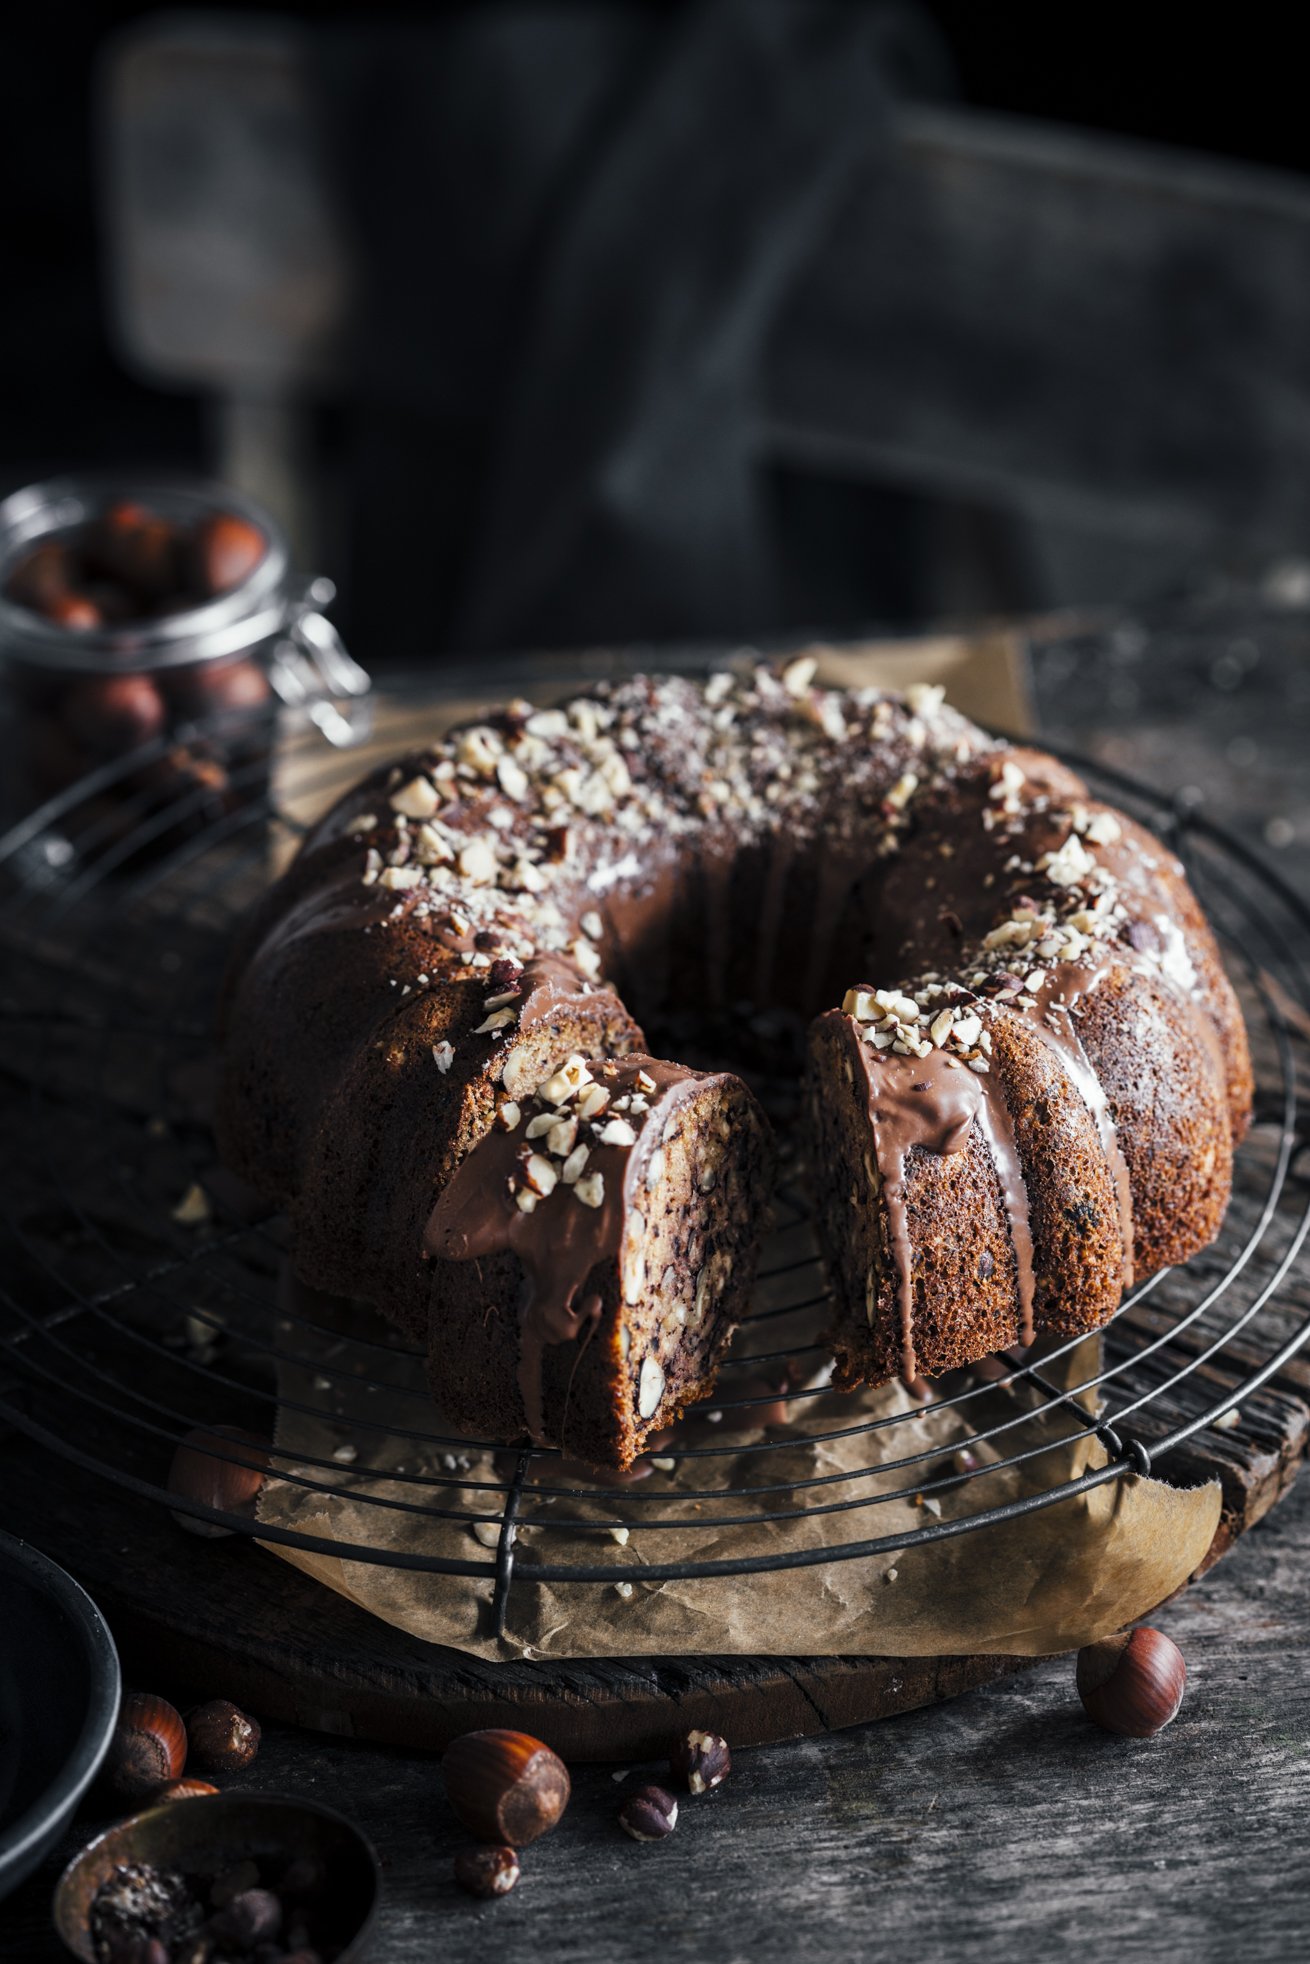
588	1156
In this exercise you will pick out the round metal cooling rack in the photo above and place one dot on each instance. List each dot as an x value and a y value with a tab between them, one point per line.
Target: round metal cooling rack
124	1324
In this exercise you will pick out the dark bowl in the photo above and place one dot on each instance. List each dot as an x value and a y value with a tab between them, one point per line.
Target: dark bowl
203	1836
59	1692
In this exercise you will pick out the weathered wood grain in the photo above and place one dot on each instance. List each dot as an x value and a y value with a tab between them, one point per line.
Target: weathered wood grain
996	1827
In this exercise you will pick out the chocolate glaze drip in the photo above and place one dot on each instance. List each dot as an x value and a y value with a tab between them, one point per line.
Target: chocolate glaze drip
933	1103
562	1240
550	983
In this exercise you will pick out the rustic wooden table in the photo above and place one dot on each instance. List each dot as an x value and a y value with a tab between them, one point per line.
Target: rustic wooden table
1001	1824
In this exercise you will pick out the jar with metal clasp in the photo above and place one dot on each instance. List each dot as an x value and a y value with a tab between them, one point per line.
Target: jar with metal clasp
151	630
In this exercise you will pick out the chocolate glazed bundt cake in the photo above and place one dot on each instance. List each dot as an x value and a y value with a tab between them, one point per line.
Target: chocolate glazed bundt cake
432	1057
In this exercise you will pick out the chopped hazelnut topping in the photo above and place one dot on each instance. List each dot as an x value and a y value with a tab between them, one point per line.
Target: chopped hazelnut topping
539	1175
593	1101
477	862
399	879
798	675
417	799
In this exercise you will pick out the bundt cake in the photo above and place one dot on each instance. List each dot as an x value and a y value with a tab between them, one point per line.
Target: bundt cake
432	1057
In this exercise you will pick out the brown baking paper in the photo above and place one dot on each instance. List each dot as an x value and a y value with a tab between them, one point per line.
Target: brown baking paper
355	1416
1046	1581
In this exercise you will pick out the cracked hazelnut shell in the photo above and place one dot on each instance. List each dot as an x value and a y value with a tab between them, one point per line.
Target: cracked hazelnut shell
506	1787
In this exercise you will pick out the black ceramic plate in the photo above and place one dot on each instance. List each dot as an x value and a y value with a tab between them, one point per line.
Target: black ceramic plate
59	1689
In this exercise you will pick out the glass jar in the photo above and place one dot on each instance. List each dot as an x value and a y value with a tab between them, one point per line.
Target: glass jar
150	629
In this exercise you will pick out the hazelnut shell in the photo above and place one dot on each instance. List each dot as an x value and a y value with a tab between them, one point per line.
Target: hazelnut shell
42	574
149	1746
109	714
227	550
230	1484
1133	1683
228	688
72	610
506	1787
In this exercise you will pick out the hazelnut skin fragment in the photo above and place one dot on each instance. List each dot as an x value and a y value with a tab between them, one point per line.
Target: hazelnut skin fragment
224	1739
487	1872
701	1760
648	1814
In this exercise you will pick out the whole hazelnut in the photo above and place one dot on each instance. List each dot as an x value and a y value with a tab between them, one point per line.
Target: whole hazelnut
303	1878
648	1814
186	1790
231	1484
253	1917
149	1747
1132	1683
701	1759
137	549
224	1739
112	713
505	1786
227	688
72	610
227	550
487	1871
133	1947
230	690
41	575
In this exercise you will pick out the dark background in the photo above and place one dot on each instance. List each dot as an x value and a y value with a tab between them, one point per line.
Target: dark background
1167	75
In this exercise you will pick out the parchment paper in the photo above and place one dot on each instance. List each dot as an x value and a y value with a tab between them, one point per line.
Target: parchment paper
1046	1581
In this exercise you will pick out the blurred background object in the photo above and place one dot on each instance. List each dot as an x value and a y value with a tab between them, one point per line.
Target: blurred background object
550	324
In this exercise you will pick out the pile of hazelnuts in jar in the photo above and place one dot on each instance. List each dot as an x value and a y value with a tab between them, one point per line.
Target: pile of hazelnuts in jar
111	681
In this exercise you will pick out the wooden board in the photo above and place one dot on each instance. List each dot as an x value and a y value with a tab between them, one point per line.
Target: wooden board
201	1619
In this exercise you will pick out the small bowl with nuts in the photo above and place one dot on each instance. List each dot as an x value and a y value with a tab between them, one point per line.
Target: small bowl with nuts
236	1876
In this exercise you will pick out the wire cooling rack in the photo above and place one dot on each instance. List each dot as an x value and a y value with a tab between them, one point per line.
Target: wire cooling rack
126	1321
